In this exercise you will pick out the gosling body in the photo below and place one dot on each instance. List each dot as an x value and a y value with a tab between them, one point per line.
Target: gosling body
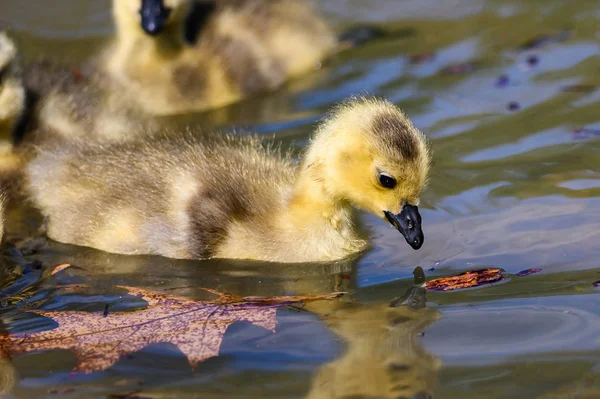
12	95
202	55
225	197
46	100
78	101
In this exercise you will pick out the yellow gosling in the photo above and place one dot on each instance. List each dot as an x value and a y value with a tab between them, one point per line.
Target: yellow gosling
383	356
240	48
226	197
71	101
12	96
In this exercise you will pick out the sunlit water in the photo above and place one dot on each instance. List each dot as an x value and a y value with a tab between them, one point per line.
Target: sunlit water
515	185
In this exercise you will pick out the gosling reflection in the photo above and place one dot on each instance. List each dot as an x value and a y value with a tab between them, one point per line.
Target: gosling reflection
8	374
384	357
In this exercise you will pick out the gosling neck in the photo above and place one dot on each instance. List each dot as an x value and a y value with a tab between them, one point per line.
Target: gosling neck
311	204
131	37
134	49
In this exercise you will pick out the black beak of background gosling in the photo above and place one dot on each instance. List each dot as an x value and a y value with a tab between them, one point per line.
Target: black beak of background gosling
154	16
408	222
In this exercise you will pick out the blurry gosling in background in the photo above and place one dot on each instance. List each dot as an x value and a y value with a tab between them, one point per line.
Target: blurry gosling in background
69	101
12	97
178	56
229	197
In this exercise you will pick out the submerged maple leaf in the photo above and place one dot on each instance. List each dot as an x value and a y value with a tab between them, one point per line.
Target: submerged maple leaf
196	327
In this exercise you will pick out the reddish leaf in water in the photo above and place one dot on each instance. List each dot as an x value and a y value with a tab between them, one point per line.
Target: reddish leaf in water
469	279
196	327
421	58
459	69
527	272
584	133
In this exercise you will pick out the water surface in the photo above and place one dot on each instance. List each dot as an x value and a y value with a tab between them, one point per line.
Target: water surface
514	124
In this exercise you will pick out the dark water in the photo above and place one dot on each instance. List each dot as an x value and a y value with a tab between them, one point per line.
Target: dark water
515	126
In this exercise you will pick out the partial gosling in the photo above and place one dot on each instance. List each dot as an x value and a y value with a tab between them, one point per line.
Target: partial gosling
79	101
240	48
235	198
12	96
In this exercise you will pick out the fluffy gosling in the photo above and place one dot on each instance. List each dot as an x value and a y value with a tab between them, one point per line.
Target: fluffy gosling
241	48
71	101
229	197
12	94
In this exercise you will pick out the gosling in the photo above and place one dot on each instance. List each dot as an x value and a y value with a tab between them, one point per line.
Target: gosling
228	197
70	101
239	48
12	96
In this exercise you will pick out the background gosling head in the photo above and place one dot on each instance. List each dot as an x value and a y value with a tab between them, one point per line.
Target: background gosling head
369	153
152	16
12	92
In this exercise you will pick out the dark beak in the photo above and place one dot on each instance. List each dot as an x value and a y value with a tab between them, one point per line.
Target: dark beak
154	16
408	222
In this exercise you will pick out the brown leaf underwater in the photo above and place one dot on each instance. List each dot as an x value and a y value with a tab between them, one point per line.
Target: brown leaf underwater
99	339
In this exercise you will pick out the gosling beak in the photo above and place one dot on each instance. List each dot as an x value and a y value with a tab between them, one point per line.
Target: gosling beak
408	222
154	16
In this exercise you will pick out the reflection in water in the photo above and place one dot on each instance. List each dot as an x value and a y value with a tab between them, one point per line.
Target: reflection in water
8	374
384	357
8	377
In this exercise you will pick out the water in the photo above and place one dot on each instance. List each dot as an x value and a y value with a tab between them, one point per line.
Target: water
510	188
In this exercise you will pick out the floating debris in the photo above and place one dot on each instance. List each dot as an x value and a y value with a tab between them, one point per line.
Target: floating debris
585	133
421	58
61	391
579	89
359	35
527	272
59	268
596	283
502	81
544	40
533	60
513	106
474	278
459	69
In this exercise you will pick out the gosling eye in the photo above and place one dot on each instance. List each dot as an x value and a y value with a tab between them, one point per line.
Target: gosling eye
386	180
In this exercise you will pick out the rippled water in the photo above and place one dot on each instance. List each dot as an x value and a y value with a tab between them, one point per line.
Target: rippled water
515	185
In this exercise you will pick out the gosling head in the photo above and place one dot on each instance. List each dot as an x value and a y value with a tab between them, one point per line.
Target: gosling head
12	92
369	153
153	16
